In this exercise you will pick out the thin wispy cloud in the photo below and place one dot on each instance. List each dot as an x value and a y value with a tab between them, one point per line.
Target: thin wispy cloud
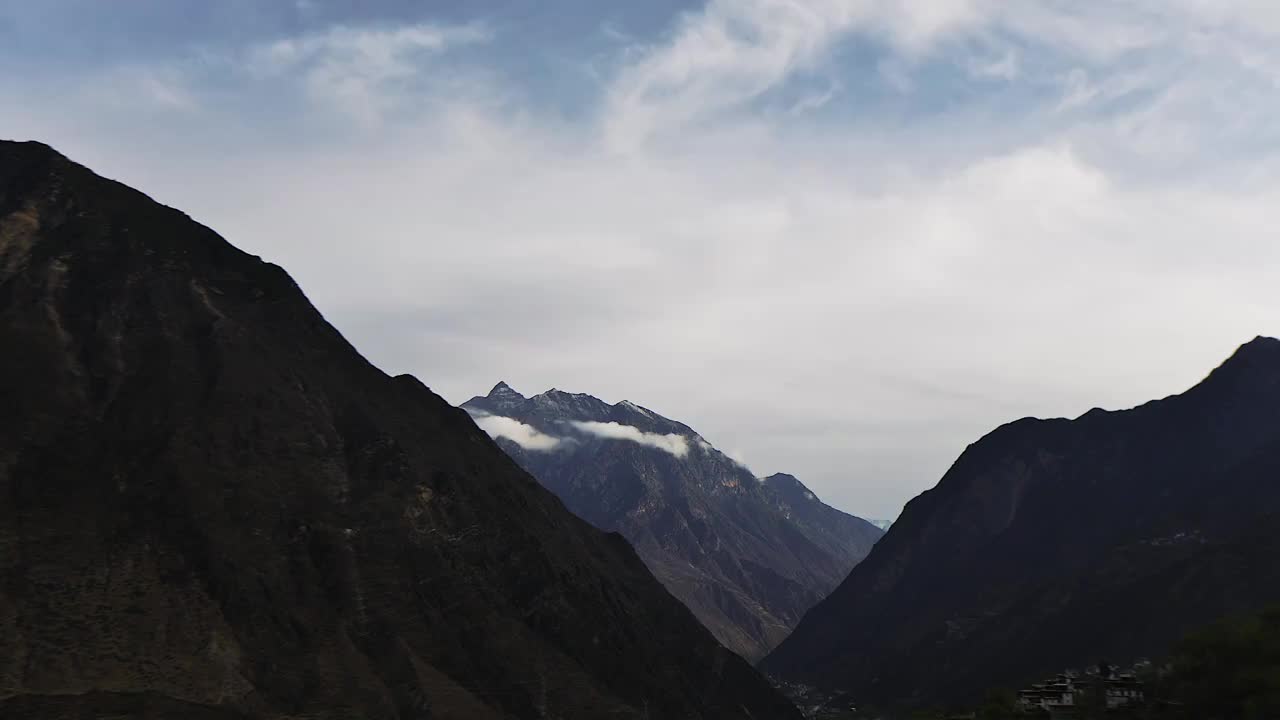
732	52
362	72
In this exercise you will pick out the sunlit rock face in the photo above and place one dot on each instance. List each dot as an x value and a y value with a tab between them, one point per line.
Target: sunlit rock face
748	555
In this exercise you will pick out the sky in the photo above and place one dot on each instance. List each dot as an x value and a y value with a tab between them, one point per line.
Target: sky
839	238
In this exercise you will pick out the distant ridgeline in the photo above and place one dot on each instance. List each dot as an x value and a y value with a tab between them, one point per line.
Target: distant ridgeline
1053	543
747	555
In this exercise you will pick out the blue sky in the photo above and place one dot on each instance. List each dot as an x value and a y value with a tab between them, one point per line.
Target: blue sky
840	238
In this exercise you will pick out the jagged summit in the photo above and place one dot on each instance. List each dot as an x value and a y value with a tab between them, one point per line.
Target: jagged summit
558	395
551	412
557	405
628	405
503	390
498	401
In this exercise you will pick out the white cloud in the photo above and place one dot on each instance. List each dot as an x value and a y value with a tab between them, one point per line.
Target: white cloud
142	88
526	436
1003	68
735	455
361	71
734	51
731	53
849	294
672	443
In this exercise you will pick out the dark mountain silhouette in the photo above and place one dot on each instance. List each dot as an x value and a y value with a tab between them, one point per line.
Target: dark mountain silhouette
748	556
212	507
1053	543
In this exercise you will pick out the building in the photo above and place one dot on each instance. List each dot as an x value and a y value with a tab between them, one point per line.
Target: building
1124	689
1067	692
1058	695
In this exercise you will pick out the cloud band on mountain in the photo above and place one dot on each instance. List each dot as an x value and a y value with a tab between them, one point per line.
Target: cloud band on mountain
672	443
526	436
531	438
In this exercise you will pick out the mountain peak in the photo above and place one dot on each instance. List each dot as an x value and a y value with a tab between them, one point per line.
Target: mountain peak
499	400
503	391
1260	344
790	488
557	392
626	468
31	148
1259	347
628	405
1258	358
26	145
1165	487
578	405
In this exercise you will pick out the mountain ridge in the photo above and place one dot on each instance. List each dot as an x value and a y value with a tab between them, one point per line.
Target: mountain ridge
747	555
1037	547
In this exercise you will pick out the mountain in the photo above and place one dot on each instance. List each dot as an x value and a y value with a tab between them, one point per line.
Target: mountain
747	555
1055	543
882	524
211	506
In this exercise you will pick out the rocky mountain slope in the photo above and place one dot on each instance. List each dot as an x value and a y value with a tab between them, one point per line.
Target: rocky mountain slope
212	507
1056	543
748	556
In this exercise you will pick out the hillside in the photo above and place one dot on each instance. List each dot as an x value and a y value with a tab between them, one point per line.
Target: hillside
211	506
1055	543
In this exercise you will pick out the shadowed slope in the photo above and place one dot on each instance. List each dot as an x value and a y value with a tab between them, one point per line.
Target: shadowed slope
212	506
1057	543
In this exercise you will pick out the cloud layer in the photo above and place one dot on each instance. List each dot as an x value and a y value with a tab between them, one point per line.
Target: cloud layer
530	438
672	443
846	236
517	432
